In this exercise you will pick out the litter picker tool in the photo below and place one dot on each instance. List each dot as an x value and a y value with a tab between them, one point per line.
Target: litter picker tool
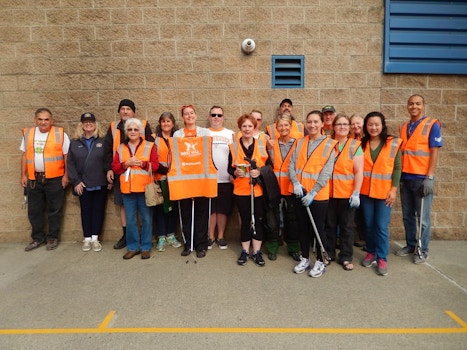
324	253
419	238
252	196
192	233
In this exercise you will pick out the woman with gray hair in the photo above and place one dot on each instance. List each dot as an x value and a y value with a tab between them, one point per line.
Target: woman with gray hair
133	159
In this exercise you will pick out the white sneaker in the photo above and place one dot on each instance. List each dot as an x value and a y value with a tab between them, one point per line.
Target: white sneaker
96	246
86	246
302	266
318	269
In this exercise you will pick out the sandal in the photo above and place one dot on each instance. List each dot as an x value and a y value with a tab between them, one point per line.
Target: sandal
347	265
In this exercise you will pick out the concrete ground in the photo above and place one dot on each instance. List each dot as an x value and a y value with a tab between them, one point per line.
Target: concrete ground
69	299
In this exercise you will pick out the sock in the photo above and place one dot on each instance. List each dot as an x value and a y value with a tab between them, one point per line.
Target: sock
94	238
87	239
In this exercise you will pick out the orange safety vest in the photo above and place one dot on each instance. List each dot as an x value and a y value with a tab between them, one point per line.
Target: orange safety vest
192	171
242	186
309	168
377	176
163	155
416	149
281	167
135	178
297	130
117	138
342	179
54	161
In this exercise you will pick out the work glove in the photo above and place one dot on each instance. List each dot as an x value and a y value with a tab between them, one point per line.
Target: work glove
298	189
308	199
427	187
354	200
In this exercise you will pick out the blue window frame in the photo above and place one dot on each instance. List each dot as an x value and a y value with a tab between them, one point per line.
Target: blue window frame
426	37
287	71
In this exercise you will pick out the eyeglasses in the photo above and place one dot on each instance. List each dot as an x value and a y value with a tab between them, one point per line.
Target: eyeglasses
130	130
342	125
214	115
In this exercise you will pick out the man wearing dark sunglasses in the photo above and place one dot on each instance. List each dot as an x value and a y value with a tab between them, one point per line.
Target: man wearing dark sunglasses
221	206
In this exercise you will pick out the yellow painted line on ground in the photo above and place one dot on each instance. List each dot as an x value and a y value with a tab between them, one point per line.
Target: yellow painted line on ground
103	329
107	320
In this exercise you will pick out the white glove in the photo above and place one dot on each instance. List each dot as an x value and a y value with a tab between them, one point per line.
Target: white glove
298	189
354	200
308	199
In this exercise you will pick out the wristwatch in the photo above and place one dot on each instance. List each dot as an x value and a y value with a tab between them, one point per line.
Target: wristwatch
430	177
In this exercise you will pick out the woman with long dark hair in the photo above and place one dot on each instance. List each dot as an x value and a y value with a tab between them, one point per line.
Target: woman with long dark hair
381	176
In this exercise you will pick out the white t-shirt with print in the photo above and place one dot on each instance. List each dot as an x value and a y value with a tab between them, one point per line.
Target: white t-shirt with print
221	139
40	138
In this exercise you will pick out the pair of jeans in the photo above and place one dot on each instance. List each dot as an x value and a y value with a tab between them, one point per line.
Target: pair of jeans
411	200
166	223
376	215
339	219
134	204
92	205
45	196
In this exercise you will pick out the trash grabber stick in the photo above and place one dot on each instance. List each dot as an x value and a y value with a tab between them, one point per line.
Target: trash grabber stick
181	222
419	240
324	254
252	202
192	226
252	195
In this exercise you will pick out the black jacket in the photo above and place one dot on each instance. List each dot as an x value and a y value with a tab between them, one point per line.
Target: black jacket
90	171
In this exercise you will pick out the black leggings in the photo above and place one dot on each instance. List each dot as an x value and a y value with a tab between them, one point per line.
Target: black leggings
244	209
318	210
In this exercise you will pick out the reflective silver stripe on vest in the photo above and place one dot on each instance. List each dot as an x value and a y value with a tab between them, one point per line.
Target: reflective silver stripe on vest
352	149
26	138
394	147
427	126
343	177
234	156
416	153
377	176
158	143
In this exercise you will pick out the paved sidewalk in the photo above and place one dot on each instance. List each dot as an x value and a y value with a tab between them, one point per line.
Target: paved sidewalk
75	300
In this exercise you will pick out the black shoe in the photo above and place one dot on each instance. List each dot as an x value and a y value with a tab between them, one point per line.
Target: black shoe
200	253
186	252
52	244
33	245
121	243
243	258
272	256
258	258
359	244
295	255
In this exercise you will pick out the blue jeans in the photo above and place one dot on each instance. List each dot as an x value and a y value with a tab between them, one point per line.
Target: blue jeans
411	202
376	216
134	203
166	223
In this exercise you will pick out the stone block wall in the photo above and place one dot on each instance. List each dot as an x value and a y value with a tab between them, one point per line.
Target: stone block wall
74	56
